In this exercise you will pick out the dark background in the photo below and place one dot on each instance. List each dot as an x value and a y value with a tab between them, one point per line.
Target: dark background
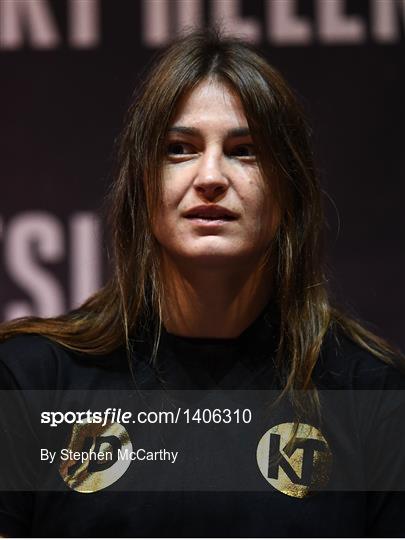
62	103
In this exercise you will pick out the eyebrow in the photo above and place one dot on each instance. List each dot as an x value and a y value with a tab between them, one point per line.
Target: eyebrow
234	132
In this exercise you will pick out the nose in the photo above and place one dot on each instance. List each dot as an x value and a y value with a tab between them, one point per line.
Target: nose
211	182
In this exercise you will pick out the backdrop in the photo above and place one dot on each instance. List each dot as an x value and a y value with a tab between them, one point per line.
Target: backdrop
68	68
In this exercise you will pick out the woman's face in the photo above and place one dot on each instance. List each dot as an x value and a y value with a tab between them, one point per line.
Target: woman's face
216	206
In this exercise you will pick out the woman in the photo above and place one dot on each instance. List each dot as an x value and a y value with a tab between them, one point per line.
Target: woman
217	283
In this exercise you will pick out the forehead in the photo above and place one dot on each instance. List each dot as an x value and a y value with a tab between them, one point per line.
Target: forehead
211	102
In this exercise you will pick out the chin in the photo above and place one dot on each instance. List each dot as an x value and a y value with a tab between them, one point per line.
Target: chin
212	251
214	247
214	257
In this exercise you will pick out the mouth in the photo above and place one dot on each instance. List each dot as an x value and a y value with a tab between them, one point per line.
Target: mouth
210	218
210	214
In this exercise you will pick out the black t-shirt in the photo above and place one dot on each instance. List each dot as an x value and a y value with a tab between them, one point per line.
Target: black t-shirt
342	478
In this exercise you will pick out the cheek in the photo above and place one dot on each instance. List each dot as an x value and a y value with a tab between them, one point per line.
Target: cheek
255	200
174	188
165	218
263	212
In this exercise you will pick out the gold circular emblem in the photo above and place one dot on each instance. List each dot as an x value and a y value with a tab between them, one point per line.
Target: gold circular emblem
294	458
95	456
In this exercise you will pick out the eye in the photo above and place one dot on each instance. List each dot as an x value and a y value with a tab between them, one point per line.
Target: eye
243	151
179	149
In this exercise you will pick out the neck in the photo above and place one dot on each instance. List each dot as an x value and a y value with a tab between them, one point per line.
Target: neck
218	302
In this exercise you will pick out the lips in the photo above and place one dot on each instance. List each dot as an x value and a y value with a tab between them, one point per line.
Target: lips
211	212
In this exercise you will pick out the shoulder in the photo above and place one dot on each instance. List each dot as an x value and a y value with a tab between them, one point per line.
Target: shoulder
32	361
344	364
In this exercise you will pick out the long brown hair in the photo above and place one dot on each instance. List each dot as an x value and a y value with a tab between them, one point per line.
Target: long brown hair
133	295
